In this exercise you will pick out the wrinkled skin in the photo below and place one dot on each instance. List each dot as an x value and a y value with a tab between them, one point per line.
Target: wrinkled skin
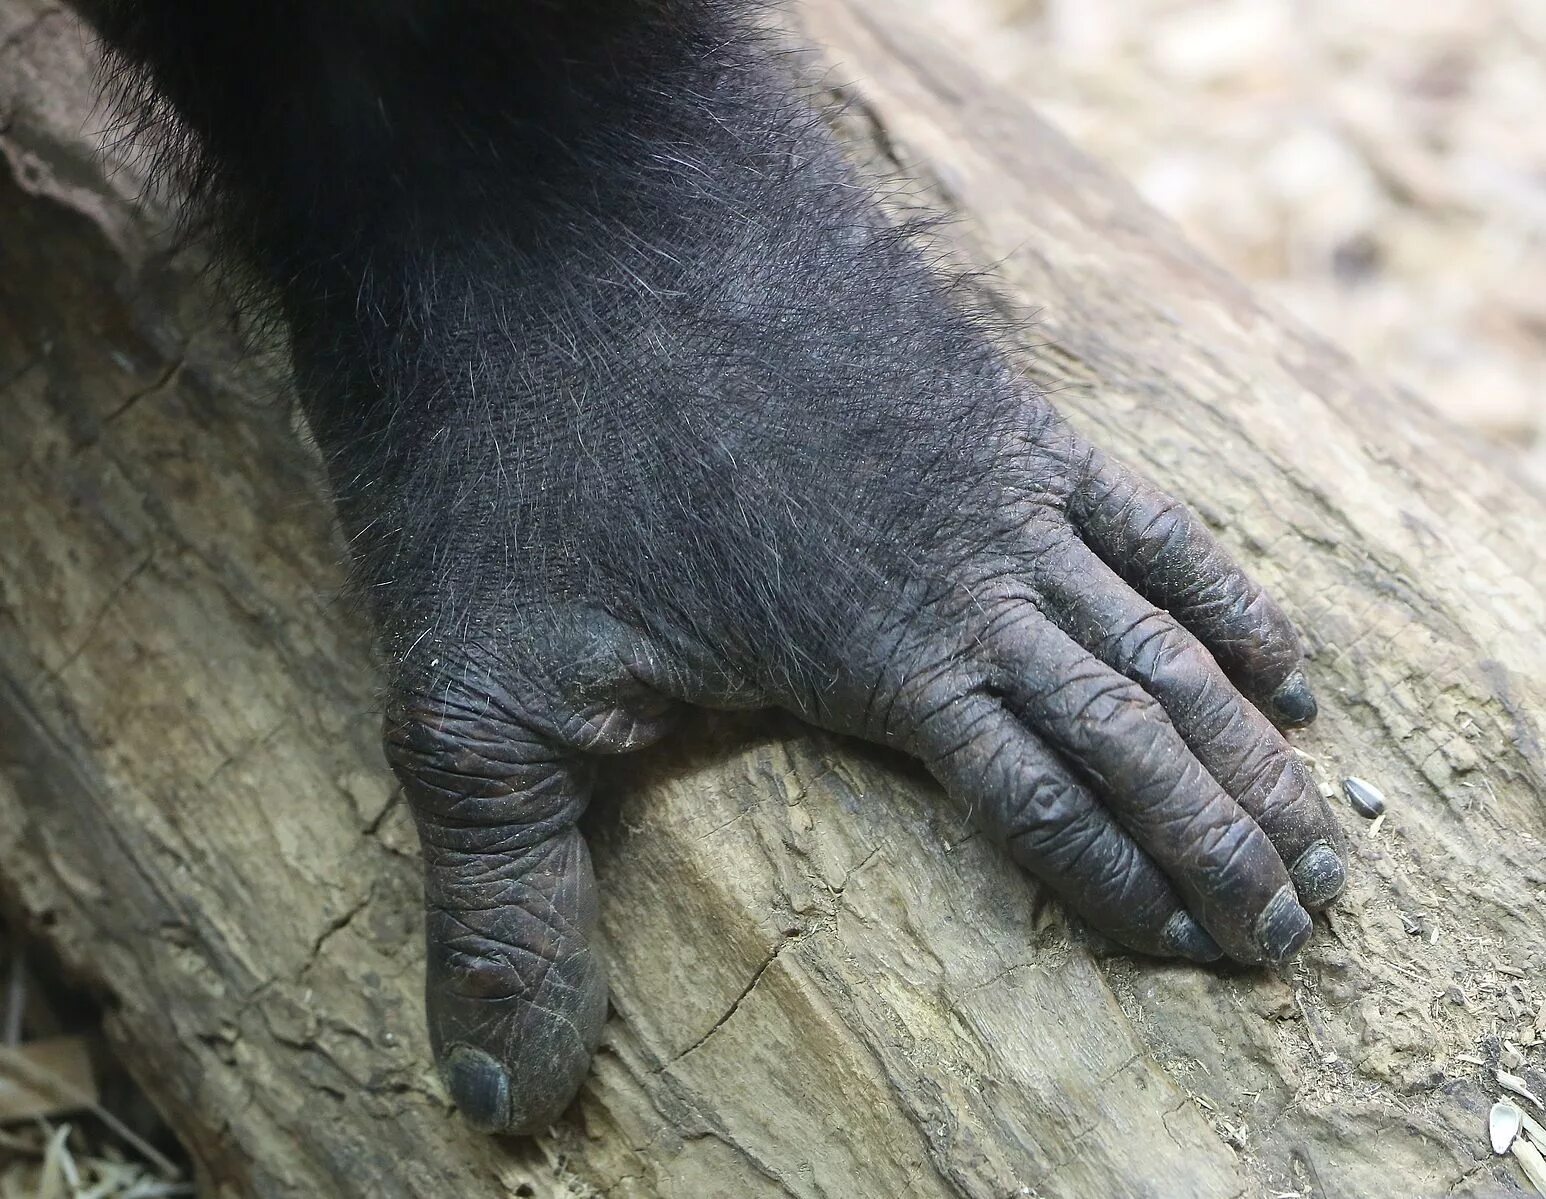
632	402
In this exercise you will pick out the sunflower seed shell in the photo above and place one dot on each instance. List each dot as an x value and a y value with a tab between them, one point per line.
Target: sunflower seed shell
1367	799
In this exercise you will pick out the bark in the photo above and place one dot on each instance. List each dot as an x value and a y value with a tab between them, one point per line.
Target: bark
824	984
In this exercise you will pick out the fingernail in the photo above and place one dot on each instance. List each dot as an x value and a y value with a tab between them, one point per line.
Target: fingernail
1318	875
479	1087
1186	938
1293	702
1283	927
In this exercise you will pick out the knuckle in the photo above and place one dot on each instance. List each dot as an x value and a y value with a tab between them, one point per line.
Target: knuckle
943	707
1155	645
1116	707
1079	849
1295	812
1277	776
1107	489
487	732
917	685
484	968
488	940
1047	809
1161	527
1232	855
1245	606
1167	660
470	756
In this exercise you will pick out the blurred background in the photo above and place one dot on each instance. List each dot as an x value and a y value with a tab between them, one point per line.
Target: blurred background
1378	168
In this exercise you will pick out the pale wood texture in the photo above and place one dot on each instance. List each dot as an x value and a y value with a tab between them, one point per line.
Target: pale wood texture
824	984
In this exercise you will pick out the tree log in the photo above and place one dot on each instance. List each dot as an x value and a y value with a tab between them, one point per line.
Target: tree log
823	983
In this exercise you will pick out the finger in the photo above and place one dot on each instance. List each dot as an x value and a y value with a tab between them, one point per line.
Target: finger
515	994
1220	860
1019	792
1235	743
1166	554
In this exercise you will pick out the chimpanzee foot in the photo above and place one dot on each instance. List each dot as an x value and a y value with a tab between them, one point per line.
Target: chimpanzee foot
632	398
1078	680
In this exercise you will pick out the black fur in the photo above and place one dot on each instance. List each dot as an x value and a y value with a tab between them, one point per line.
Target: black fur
534	258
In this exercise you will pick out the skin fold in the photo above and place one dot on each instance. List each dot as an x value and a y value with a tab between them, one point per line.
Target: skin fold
632	401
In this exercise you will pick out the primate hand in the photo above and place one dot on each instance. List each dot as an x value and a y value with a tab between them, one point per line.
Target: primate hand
764	461
632	402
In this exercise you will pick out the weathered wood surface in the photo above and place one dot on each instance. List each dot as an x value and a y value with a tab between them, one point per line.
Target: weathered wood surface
824	985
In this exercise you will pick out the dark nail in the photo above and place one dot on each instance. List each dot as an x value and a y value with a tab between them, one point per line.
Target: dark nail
479	1086
1318	875
1283	927
1293	702
1186	938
